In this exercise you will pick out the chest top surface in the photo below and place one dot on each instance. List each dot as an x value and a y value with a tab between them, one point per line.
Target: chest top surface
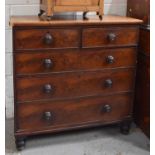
71	20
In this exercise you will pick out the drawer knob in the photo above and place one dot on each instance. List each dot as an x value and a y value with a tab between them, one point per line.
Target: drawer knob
48	63
108	83
110	59
112	37
48	88
107	108
48	39
47	116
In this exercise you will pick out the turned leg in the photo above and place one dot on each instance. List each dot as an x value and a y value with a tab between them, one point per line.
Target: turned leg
41	13
101	17
125	127
84	15
20	143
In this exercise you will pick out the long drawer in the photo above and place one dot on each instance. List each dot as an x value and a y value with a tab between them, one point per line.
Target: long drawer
74	84
46	38
69	60
58	115
111	36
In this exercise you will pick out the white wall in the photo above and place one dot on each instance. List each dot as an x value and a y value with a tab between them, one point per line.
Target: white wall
31	7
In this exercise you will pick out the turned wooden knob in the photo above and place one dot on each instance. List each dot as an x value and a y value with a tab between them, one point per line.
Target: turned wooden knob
48	88
112	37
48	39
108	83
110	59
48	63
107	108
47	116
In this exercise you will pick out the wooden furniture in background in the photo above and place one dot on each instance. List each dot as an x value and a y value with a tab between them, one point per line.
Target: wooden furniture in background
49	7
66	78
141	9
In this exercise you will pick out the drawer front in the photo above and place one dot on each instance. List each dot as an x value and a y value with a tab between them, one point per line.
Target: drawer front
46	38
114	36
74	84
73	113
69	60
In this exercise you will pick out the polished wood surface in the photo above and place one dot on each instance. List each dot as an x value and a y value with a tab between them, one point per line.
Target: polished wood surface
121	36
75	84
70	60
71	74
47	38
77	20
70	113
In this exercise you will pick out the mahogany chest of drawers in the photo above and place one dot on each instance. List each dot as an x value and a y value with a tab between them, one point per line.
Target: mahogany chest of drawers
71	74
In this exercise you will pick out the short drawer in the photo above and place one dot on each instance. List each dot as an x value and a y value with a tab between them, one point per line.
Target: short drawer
67	114
69	60
74	84
46	38
114	36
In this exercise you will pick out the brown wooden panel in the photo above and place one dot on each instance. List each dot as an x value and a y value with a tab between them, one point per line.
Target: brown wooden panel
72	113
144	41
74	84
46	38
111	36
142	96
74	3
69	60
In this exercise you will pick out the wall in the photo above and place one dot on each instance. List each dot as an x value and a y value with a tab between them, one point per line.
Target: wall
31	7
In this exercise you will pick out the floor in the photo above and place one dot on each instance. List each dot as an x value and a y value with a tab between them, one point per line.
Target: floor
98	141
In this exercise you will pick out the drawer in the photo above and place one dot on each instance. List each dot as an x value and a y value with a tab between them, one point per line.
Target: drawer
114	36
46	38
67	114
74	84
69	60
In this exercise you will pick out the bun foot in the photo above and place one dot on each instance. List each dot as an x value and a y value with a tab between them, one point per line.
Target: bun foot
125	127
101	17
20	143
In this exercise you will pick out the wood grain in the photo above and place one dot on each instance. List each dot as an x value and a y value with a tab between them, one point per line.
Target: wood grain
73	113
34	38
81	89
70	60
74	84
97	37
78	20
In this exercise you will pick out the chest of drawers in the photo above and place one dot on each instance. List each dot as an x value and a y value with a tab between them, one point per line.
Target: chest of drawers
71	74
